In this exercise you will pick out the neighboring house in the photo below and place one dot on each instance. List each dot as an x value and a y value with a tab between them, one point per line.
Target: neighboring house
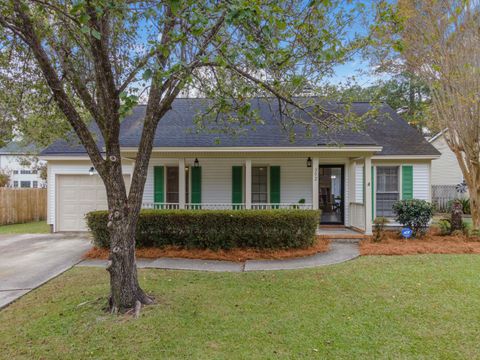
446	174
352	182
445	169
21	175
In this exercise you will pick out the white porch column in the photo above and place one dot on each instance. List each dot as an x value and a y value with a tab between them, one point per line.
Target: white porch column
181	183
352	196
315	166
368	195
248	184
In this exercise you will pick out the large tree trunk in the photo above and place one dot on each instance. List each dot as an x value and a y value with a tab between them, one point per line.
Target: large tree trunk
125	291
471	174
475	206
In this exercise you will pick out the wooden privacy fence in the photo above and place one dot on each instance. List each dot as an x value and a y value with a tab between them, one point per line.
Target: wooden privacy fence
22	205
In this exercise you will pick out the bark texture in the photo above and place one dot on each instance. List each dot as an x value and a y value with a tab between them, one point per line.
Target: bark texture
125	290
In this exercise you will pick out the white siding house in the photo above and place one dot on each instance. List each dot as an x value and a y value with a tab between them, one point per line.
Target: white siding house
351	182
12	158
445	169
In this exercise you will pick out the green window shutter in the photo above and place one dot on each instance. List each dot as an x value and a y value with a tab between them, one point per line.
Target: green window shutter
158	185
237	185
373	193
275	184
407	182
196	196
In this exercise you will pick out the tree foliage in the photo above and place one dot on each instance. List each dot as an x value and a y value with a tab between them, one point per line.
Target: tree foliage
405	93
4	178
439	42
96	59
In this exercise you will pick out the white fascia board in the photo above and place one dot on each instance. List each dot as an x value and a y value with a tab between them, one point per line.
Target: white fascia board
435	137
258	149
406	157
63	158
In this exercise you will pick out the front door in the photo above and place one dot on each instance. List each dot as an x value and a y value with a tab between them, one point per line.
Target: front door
331	194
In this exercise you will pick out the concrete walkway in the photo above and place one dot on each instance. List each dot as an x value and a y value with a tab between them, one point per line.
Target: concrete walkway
29	260
339	252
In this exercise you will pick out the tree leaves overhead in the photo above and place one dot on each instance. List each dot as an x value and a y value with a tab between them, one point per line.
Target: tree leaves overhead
284	47
439	43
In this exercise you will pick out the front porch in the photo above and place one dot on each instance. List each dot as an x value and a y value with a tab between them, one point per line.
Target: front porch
335	184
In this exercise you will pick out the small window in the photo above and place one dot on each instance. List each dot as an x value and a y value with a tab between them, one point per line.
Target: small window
259	185
387	190
34	171
24	184
34	184
15	183
15	172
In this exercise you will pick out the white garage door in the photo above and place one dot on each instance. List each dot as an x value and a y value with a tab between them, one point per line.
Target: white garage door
76	196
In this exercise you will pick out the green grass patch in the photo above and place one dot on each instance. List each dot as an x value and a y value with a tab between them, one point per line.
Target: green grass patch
424	306
37	227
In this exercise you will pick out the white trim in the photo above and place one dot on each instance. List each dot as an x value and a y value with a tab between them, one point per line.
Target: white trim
248	183
315	180
181	183
369	202
405	157
436	136
259	149
65	158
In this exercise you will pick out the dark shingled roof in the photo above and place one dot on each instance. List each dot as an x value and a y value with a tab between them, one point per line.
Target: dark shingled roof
177	129
18	148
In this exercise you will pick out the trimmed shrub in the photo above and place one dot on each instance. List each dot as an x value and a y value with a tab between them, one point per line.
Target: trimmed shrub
379	228
445	226
415	214
216	229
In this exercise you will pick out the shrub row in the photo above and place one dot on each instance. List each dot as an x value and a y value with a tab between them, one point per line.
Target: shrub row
216	229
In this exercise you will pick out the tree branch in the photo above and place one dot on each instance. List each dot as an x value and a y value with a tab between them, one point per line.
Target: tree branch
26	27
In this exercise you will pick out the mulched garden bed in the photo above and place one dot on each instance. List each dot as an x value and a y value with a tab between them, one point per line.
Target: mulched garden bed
238	255
431	243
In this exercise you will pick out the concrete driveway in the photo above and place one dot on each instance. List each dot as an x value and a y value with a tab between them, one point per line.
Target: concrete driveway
29	260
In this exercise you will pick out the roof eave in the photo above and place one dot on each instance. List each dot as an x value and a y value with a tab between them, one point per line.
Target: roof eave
256	149
407	157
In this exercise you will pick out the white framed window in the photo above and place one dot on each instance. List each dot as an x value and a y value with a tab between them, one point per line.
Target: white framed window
388	189
35	184
24	184
259	184
15	184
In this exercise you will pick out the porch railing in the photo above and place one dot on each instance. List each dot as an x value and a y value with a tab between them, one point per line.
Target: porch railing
164	206
226	206
282	206
357	215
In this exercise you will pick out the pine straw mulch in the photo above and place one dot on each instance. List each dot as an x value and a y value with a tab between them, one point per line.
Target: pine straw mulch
238	255
431	243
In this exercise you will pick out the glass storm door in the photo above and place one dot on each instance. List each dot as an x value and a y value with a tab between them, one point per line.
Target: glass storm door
331	194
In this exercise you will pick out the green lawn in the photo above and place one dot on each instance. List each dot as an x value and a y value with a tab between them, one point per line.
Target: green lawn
37	227
373	307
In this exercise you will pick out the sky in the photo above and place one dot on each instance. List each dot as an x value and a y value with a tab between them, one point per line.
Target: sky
358	68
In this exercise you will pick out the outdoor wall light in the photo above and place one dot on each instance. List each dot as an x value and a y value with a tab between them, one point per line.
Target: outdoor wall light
91	171
309	162
196	163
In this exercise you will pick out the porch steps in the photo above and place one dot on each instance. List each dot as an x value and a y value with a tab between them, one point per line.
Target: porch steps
340	234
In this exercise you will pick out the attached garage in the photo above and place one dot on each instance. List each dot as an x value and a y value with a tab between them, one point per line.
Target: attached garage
76	196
